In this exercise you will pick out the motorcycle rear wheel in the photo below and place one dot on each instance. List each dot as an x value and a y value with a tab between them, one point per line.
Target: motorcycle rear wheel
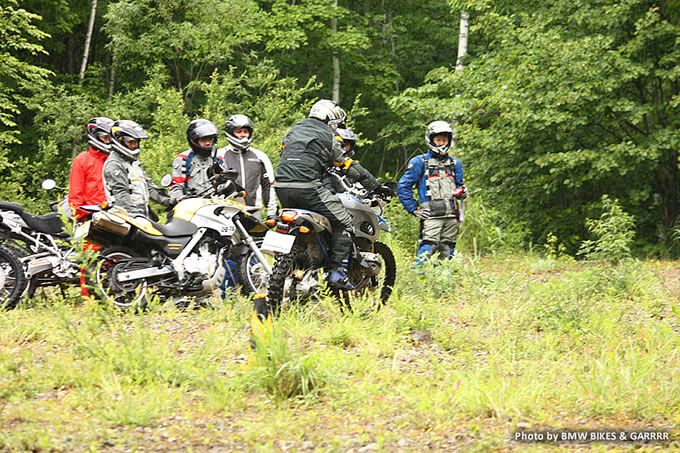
284	279
12	279
124	296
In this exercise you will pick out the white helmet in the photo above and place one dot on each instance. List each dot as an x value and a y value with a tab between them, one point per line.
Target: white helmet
237	122
438	128
329	112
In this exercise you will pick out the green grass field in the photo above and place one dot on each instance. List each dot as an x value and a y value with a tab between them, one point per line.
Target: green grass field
461	358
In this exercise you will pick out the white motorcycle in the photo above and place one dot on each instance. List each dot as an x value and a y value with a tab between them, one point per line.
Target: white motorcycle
185	257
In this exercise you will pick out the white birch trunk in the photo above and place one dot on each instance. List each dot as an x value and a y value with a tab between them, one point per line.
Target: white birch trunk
88	38
462	52
462	40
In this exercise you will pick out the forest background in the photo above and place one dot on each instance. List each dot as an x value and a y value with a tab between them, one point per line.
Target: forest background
560	103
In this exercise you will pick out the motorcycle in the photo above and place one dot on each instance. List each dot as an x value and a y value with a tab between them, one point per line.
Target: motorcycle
184	257
43	245
301	243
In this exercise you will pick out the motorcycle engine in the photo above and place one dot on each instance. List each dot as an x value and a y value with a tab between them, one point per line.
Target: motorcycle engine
201	261
370	264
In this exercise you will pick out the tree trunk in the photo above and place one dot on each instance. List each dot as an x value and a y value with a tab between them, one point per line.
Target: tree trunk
112	76
460	61
336	60
88	37
669	188
462	40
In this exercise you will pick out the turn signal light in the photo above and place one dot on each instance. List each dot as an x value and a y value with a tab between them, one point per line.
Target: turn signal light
304	229
288	216
270	222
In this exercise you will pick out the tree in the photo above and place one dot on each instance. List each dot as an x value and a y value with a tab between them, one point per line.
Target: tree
565	101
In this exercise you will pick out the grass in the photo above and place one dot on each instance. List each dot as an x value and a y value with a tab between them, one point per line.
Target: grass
517	341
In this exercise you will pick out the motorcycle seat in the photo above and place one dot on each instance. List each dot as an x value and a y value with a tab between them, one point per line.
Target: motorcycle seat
176	227
9	206
48	223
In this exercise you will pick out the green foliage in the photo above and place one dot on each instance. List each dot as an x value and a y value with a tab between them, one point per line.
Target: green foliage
614	231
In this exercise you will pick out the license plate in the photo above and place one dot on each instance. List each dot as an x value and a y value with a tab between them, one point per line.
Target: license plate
277	243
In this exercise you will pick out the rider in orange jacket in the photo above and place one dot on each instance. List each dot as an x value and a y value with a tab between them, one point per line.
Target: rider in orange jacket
85	184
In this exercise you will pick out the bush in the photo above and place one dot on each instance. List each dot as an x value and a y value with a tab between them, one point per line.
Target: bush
614	233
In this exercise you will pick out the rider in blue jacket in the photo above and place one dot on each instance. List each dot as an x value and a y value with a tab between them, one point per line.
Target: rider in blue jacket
436	175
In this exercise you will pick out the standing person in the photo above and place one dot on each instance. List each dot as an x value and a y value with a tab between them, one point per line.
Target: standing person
436	175
85	183
256	173
307	151
192	169
125	181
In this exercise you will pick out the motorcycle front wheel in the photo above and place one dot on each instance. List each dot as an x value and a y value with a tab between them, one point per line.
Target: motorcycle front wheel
250	273
123	295
12	279
380	284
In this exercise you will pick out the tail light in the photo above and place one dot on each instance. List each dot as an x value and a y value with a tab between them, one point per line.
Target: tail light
288	216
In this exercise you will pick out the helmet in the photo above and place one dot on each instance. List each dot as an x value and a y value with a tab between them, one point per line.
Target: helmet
199	129
123	130
97	127
349	137
237	122
438	128
329	112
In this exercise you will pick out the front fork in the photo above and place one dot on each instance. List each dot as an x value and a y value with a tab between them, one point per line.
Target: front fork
251	244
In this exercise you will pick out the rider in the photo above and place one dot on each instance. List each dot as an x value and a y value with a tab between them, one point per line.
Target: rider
85	183
125	181
256	173
347	139
307	150
436	175
192	169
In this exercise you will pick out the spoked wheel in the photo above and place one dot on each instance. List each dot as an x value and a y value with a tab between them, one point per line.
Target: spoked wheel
251	274
110	263
12	279
382	283
292	276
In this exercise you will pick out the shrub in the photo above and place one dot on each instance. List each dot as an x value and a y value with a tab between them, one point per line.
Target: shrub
613	231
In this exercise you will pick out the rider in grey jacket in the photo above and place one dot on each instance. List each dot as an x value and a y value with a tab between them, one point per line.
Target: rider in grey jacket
256	174
125	182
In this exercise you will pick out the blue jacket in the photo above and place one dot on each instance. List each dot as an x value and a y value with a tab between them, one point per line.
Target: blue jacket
415	175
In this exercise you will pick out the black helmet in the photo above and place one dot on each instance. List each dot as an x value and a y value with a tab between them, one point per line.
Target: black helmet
329	112
237	122
199	129
97	127
123	130
348	136
438	128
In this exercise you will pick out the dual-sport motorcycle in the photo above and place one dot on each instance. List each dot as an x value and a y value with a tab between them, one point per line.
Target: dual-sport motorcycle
184	257
301	244
39	250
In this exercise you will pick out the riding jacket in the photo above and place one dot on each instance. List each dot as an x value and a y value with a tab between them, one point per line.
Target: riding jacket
85	183
426	172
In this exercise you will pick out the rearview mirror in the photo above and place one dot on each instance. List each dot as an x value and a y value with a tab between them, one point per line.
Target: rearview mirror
49	184
166	180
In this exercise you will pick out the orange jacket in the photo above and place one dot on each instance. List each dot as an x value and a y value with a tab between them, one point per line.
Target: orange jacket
85	184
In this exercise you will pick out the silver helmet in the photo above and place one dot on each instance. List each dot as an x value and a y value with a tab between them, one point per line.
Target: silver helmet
124	130
348	137
97	127
200	129
438	128
237	122
329	112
